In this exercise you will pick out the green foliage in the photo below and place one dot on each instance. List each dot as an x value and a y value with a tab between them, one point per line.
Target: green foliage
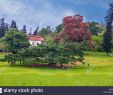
16	40
108	34
2	45
36	31
107	45
97	42
99	73
48	40
95	28
13	24
48	54
29	61
24	29
96	39
11	58
3	27
59	28
45	31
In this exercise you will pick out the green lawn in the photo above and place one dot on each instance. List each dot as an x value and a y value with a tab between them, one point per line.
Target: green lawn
99	73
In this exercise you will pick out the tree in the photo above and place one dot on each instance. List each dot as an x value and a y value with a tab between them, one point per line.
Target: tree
45	31
59	28
30	32
107	45
24	29
3	27
2	45
95	28
74	29
97	42
47	54
16	40
36	31
13	24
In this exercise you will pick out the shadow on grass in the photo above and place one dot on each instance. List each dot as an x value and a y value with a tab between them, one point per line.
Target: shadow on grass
39	66
48	67
72	68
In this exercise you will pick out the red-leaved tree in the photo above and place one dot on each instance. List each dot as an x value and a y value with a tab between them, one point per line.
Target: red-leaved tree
74	29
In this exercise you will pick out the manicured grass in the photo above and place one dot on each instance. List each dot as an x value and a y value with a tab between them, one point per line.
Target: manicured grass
98	73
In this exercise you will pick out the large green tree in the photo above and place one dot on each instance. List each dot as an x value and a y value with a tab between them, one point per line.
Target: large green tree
45	31
16	40
108	34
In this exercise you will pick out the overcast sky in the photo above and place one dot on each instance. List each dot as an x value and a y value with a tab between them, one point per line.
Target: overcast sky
50	12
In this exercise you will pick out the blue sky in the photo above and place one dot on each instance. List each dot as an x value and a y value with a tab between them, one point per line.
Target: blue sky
50	12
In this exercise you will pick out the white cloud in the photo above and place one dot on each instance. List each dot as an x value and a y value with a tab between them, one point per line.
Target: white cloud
10	6
27	14
68	13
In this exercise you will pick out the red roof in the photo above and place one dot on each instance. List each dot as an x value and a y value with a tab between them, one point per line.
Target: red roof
35	38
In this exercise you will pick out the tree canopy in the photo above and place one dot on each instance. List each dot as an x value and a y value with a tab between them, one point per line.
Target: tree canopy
16	40
108	34
74	29
3	27
45	31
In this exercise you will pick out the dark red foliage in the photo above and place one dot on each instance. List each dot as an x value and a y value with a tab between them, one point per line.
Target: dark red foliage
74	29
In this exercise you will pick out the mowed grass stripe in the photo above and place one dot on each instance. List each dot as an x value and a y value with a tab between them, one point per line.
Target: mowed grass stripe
99	73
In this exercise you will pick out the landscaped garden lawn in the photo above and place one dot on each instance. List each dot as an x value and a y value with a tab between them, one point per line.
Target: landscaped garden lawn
98	73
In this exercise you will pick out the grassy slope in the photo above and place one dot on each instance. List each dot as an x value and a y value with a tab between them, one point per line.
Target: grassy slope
99	73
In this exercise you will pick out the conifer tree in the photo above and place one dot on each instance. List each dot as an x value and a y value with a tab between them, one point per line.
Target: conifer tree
107	45
3	27
36	31
13	24
24	29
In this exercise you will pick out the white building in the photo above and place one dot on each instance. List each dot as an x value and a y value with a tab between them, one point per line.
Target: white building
35	40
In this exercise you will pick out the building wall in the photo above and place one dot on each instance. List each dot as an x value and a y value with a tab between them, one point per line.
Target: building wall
35	43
